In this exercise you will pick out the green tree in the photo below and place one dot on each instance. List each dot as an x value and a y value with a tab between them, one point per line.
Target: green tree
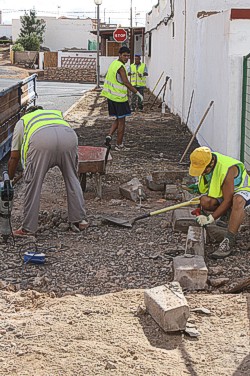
31	27
29	42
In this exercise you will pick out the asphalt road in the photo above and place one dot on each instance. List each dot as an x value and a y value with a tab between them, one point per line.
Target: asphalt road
54	95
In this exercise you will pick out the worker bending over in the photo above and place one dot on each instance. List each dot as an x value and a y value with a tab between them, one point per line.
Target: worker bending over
43	139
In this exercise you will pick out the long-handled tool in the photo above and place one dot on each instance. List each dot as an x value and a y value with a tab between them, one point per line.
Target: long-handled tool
129	223
155	87
196	131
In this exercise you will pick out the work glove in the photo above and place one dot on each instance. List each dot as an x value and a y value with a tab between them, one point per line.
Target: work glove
139	95
193	188
204	220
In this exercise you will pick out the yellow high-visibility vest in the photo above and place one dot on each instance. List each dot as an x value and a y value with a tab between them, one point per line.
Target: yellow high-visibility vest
135	79
113	89
219	173
35	120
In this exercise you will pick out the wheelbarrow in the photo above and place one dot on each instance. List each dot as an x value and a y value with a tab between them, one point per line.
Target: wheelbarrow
93	160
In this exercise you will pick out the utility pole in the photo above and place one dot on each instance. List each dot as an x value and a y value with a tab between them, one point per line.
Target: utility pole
131	39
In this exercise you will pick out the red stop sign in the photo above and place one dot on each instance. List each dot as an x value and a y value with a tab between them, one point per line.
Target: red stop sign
120	35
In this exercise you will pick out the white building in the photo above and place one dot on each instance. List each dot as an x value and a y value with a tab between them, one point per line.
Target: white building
200	45
62	33
5	31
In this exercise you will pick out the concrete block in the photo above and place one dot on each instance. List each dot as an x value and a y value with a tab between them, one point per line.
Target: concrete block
190	271
182	219
152	185
215	234
168	306
132	190
195	243
172	192
169	177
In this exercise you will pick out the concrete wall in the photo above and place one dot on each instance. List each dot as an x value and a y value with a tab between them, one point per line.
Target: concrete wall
202	49
62	33
5	31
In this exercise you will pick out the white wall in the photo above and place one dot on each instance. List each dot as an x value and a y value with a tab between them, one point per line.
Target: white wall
6	31
205	54
62	33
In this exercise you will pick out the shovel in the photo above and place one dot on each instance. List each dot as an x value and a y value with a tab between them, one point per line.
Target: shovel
129	223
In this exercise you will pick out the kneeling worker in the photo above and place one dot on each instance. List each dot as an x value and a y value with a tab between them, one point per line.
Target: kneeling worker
226	184
43	139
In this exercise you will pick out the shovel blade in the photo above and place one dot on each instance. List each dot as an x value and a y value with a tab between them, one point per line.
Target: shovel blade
117	221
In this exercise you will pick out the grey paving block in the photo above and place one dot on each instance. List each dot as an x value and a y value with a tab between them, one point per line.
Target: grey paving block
168	306
190	272
195	243
182	219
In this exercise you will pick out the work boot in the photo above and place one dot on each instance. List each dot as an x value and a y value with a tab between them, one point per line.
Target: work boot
224	250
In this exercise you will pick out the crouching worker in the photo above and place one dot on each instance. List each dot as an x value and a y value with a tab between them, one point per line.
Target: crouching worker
226	185
43	139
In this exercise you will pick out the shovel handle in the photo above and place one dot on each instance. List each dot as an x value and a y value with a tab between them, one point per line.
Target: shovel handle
194	201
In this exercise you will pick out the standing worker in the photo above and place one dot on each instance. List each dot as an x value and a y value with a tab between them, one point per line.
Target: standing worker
43	139
226	185
115	89
138	72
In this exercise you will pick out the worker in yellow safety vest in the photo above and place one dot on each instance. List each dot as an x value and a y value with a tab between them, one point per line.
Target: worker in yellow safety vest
115	89
224	184
138	73
42	139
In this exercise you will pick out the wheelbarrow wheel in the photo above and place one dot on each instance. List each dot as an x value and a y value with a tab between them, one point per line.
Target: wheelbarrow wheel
83	181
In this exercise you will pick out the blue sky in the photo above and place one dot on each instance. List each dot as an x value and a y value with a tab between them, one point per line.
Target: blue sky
115	11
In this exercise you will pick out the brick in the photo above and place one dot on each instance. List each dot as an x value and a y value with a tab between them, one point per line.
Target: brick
195	243
190	272
172	192
182	219
130	190
152	185
167	306
169	177
216	234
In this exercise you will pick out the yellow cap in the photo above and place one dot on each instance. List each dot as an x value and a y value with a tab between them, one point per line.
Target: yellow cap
200	159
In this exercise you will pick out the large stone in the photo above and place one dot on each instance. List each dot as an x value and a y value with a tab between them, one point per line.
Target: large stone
182	219
169	177
168	306
172	192
195	243
152	185
190	271
132	190
215	234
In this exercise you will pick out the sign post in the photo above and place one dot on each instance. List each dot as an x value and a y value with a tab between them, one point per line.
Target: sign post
120	35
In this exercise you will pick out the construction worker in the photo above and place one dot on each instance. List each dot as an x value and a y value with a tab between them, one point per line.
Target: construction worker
138	72
225	185
42	139
115	90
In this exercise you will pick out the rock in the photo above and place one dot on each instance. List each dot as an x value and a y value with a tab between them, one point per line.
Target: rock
182	219
190	272
132	190
216	282
110	365
195	244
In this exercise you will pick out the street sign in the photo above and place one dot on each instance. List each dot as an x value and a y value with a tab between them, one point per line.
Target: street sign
120	35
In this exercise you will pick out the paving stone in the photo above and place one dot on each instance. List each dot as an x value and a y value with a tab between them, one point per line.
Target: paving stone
152	185
182	219
190	271
195	244
132	190
169	177
216	234
168	306
172	192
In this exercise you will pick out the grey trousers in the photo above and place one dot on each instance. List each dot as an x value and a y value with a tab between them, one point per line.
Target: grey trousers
56	145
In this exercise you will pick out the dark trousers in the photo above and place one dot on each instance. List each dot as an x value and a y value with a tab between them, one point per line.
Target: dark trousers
135	98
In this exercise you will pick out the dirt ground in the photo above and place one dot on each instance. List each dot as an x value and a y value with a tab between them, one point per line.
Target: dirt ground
82	312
